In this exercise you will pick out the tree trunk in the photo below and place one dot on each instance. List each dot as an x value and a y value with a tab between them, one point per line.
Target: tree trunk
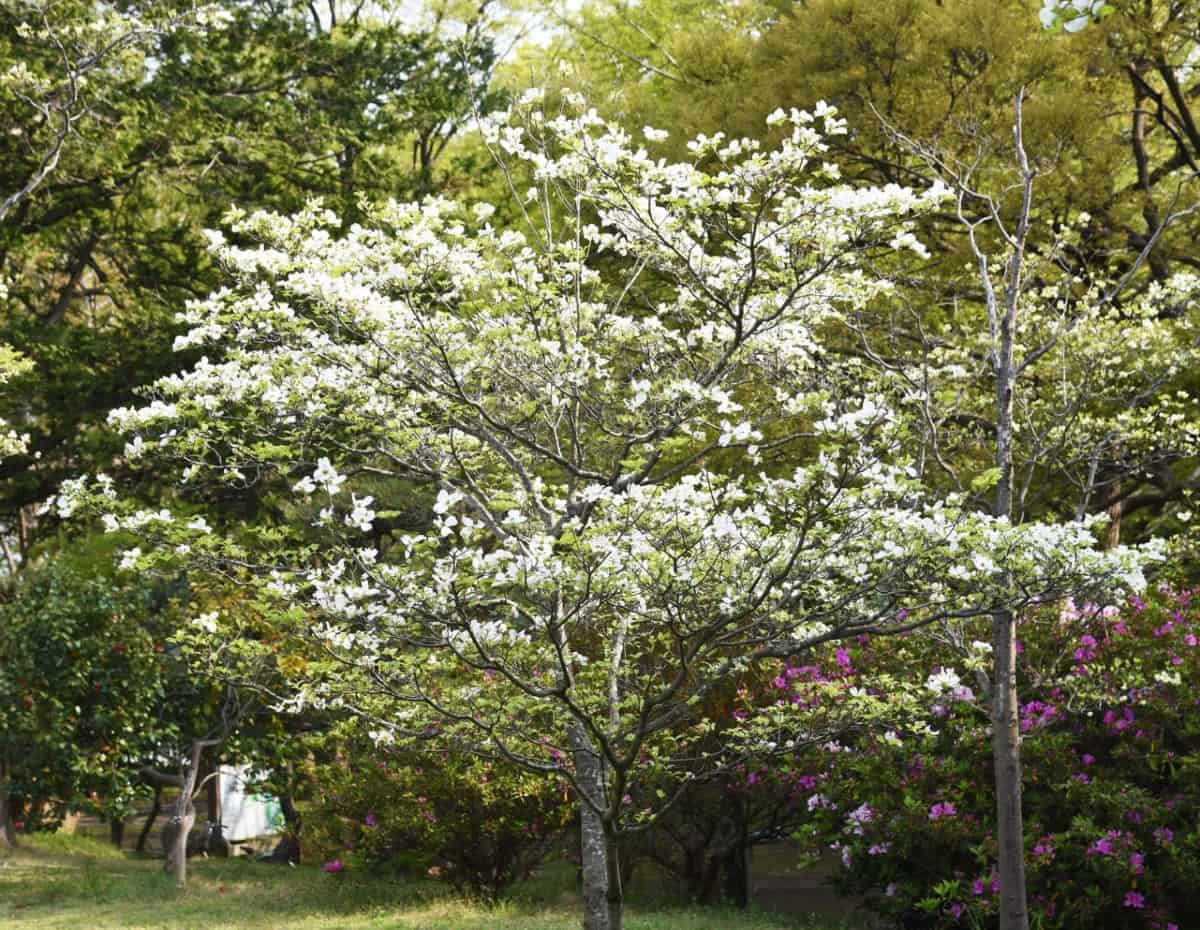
1006	733
1006	758
1113	539
8	832
735	869
176	833
217	844
116	830
151	818
183	816
601	872
291	817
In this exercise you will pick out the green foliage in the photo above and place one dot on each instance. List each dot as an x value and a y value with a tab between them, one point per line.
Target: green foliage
82	672
478	824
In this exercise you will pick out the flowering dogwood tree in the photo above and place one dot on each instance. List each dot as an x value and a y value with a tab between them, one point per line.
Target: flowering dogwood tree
646	471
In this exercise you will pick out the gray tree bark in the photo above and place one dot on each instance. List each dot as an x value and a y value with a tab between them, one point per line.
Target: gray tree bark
1006	733
183	815
601	872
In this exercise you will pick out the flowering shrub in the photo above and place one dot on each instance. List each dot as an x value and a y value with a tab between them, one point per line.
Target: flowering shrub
476	824
1111	751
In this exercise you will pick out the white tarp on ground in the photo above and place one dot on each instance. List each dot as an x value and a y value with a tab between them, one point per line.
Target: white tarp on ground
246	814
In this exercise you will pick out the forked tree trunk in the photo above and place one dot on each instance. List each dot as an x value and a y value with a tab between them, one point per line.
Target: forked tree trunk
183	815
601	871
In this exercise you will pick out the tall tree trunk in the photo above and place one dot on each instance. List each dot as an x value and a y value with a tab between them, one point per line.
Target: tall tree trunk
1006	734
8	832
1006	759
601	872
151	818
116	830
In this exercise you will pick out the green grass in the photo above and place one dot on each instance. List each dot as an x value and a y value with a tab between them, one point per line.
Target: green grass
63	882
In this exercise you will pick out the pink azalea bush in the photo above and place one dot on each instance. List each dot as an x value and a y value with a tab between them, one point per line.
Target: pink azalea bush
1111	752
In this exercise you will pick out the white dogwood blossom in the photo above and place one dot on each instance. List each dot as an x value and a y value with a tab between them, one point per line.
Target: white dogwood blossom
1072	15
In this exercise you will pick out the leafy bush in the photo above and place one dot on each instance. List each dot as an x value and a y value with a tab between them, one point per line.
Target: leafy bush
82	671
475	823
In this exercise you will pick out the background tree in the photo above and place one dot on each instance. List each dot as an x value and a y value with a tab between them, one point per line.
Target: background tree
277	106
81	679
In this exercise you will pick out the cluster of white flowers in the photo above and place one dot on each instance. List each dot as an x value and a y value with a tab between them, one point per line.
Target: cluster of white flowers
207	622
942	681
1072	15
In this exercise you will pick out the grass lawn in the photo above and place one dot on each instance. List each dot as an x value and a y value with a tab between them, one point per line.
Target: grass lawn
64	882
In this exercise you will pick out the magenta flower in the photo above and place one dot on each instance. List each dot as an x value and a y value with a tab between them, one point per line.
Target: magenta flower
942	810
1164	835
1087	759
843	657
977	887
1102	847
333	866
957	909
370	820
863	814
1135	899
1137	862
1044	848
